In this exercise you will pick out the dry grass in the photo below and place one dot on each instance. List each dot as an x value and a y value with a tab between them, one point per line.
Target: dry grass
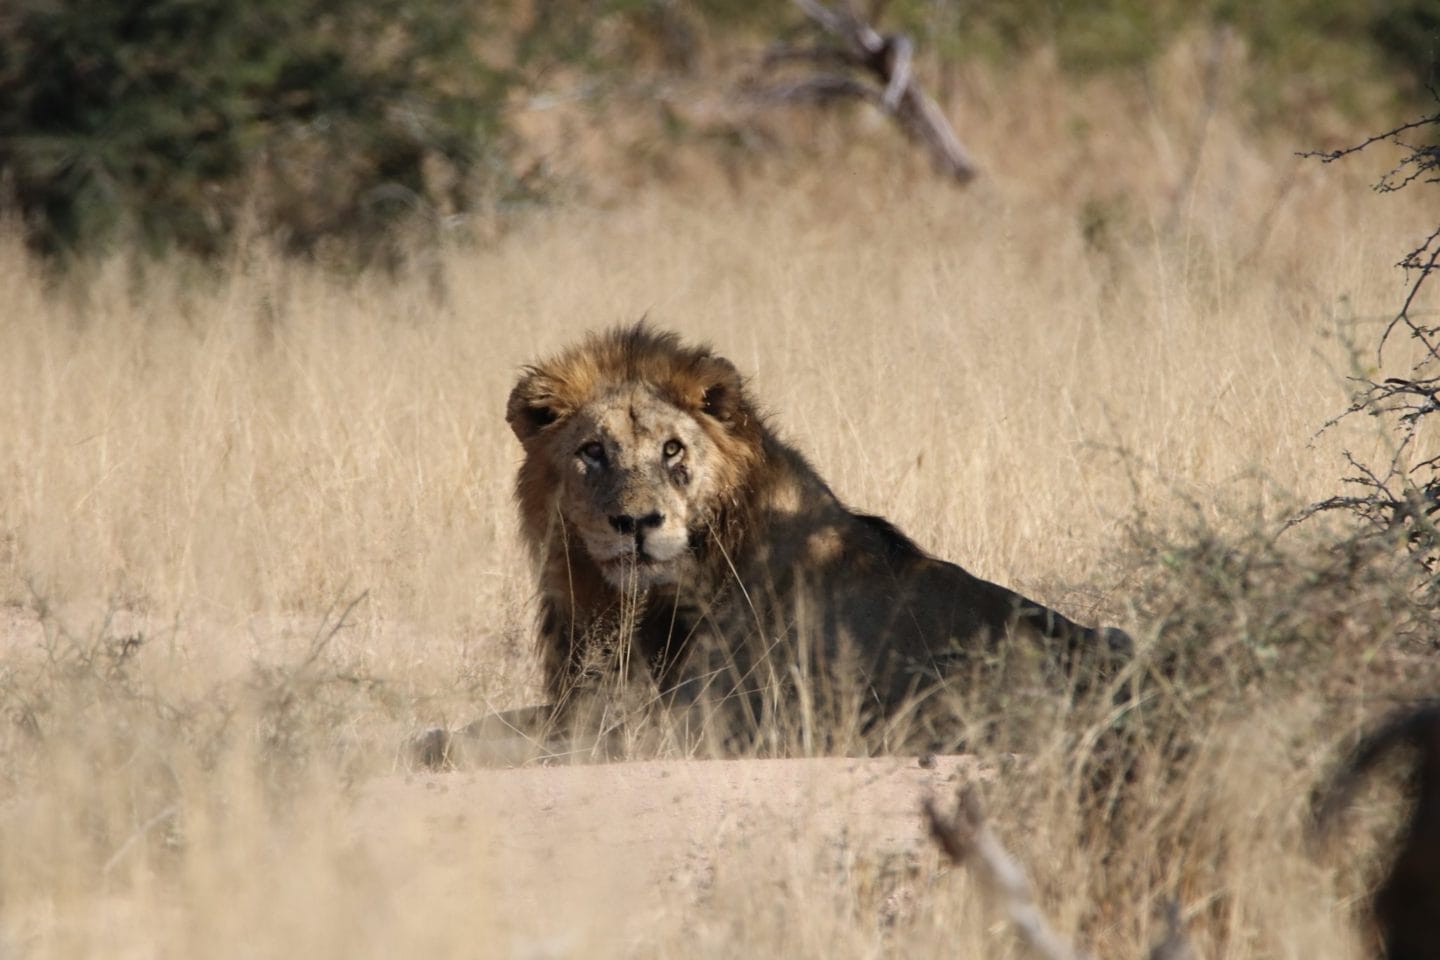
216	468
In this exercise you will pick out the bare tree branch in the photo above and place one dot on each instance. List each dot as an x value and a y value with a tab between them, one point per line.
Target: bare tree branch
883	74
899	80
967	841
1330	156
1401	499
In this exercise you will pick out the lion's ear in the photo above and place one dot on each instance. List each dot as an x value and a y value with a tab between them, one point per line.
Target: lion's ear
532	406
721	389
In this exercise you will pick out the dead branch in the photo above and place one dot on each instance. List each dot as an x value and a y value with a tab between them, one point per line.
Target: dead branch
878	68
1330	156
967	841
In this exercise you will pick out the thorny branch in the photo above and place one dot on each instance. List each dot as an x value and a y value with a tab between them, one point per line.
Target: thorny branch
1403	497
1420	163
1329	156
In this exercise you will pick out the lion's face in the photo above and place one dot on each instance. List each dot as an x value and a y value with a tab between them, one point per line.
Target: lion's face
635	483
639	444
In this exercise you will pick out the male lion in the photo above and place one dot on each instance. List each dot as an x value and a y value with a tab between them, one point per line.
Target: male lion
680	543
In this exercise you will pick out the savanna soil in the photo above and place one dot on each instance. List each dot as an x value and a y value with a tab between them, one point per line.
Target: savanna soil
609	851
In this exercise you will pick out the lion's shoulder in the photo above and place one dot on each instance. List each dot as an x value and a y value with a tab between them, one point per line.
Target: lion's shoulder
894	544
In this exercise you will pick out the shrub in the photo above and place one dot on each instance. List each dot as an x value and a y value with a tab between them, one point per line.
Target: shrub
158	121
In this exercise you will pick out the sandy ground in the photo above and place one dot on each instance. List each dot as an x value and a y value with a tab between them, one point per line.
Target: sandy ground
552	858
593	850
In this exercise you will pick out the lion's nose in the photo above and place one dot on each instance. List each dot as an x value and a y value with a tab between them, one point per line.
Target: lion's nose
629	523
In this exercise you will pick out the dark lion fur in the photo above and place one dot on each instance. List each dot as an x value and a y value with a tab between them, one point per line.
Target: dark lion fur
1407	902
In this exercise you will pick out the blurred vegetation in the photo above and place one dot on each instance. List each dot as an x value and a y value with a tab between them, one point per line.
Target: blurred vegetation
1396	42
184	123
167	121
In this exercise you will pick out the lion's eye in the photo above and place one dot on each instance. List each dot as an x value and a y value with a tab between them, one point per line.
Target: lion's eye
593	452
673	449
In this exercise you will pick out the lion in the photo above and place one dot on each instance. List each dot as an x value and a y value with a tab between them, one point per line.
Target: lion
678	542
1407	901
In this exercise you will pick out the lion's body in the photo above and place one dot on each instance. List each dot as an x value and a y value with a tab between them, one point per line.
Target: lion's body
679	541
1407	900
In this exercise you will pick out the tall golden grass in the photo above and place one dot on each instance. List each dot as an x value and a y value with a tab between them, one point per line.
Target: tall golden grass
1141	311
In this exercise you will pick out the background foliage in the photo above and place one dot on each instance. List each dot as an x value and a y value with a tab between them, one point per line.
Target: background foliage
180	122
156	121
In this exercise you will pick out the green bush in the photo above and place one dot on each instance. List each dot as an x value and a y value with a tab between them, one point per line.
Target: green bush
162	121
